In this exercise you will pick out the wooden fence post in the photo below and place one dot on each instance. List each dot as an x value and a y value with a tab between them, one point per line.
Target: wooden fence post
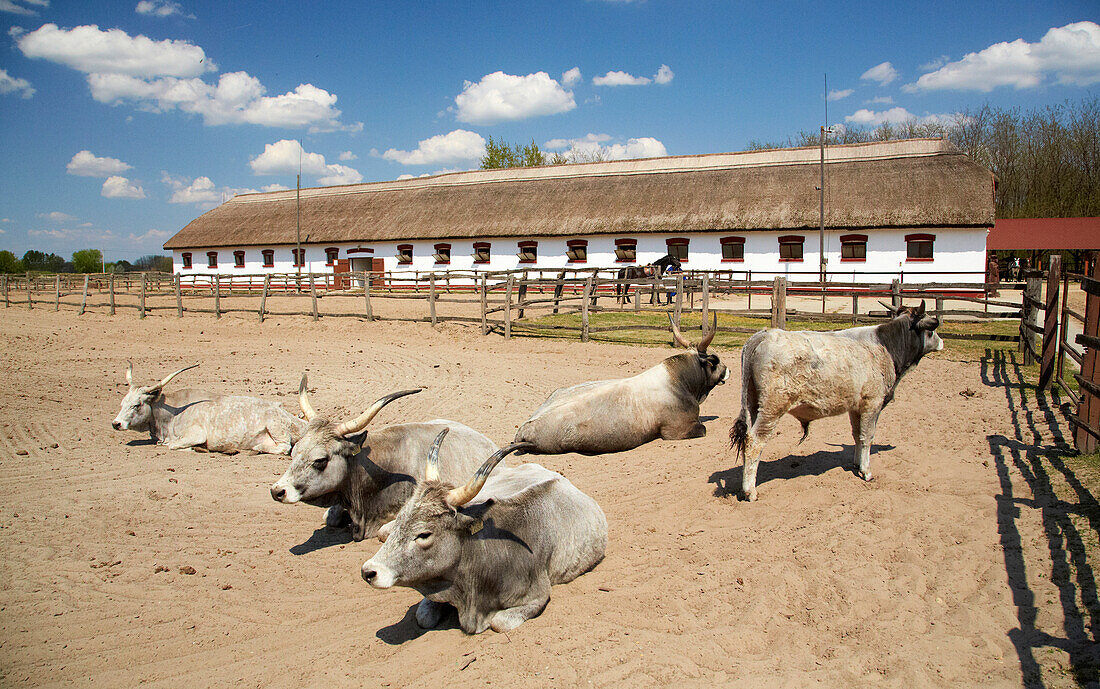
1050	322
431	297
141	298
508	308
57	292
263	297
939	310
585	309
522	294
7	302
706	300
679	308
177	279
111	288
558	287
779	303
1029	324
895	294
313	295
366	295
84	298
217	296
1088	406
30	297
855	309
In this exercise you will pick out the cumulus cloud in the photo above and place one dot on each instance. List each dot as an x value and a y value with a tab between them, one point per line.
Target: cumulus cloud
617	78
664	75
57	217
14	7
150	235
593	147
200	191
284	157
116	187
161	8
87	164
10	84
455	146
499	97
90	50
840	94
1069	54
882	73
348	155
274	187
571	78
880	100
870	118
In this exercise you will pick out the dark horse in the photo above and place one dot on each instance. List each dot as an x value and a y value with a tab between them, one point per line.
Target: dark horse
650	270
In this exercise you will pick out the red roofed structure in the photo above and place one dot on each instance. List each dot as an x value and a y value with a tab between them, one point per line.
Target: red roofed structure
1042	234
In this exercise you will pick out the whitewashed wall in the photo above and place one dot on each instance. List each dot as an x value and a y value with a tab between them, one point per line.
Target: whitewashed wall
958	256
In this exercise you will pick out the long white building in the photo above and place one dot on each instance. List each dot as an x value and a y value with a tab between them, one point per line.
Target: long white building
918	207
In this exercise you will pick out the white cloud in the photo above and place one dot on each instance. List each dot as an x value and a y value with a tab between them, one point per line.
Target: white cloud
57	217
840	94
152	234
348	155
880	100
499	97
285	156
1069	54
586	140
14	7
116	187
10	84
592	147
664	75
200	191
883	73
455	146
274	187
87	164
616	78
89	50
935	63
870	118
571	78
161	8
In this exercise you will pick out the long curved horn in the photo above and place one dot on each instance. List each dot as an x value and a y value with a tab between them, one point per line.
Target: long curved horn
303	400
676	334
892	309
457	497
360	422
431	467
705	342
168	379
130	373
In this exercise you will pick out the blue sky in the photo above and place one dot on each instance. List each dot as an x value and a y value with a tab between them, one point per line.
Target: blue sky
120	122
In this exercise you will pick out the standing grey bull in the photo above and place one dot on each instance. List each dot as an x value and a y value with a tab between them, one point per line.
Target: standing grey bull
368	477
193	418
616	415
494	559
812	375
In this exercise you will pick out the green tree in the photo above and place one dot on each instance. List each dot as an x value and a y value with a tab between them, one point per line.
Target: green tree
499	154
40	261
87	261
9	263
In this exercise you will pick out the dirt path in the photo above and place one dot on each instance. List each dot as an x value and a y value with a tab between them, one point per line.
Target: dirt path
938	573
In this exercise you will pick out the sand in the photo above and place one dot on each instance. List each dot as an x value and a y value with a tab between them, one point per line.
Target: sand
123	563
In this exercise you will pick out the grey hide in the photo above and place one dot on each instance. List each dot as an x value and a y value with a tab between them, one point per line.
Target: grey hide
813	375
617	415
194	418
494	557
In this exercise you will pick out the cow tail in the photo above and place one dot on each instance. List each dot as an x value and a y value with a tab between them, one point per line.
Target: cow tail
739	433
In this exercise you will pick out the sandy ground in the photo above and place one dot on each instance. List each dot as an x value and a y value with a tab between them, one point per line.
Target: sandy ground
124	563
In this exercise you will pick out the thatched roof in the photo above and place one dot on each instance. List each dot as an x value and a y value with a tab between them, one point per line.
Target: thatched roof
912	183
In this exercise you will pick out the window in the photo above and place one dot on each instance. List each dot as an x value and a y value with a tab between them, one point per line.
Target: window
299	257
331	256
577	251
238	259
528	252
918	247
211	259
678	249
853	247
269	258
790	247
626	250
442	254
404	254
186	256
733	249
481	252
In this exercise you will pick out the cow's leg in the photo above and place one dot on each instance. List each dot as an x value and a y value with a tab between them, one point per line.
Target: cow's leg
510	618
429	613
337	517
757	436
683	431
194	436
863	432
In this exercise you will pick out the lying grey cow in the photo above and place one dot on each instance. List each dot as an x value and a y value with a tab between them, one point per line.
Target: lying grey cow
366	478
812	375
616	415
494	559
193	418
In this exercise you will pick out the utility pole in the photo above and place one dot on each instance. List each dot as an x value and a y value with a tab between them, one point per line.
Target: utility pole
299	259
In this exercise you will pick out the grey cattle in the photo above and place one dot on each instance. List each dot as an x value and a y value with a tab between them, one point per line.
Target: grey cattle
194	418
616	415
812	375
493	558
363	477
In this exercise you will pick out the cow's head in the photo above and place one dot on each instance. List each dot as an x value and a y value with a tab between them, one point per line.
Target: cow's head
319	459
909	335
423	543
698	371
137	405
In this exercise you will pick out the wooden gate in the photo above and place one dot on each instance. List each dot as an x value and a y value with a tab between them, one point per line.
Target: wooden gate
1086	433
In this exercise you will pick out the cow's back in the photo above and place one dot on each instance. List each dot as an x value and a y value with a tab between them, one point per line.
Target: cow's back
403	449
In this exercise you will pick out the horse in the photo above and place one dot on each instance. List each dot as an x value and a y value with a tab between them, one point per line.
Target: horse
649	270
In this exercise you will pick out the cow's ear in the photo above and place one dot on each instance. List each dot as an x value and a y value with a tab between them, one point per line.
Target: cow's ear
357	439
470	523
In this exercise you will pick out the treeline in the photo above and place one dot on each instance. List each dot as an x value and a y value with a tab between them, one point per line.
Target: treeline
83	261
1047	161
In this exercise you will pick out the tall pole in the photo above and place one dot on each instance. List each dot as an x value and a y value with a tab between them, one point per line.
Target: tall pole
298	224
821	230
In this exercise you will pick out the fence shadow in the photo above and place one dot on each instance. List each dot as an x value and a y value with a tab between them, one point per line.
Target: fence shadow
1037	482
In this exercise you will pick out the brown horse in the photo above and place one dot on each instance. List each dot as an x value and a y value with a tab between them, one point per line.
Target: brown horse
649	270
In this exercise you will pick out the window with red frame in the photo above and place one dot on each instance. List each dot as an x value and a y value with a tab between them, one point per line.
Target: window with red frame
790	247
269	258
404	254
238	259
482	253
211	259
577	251
442	254
528	252
678	249
331	256
186	257
626	250
853	247
733	249
918	247
299	257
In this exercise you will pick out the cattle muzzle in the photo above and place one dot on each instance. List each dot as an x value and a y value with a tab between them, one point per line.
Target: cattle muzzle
378	575
117	425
